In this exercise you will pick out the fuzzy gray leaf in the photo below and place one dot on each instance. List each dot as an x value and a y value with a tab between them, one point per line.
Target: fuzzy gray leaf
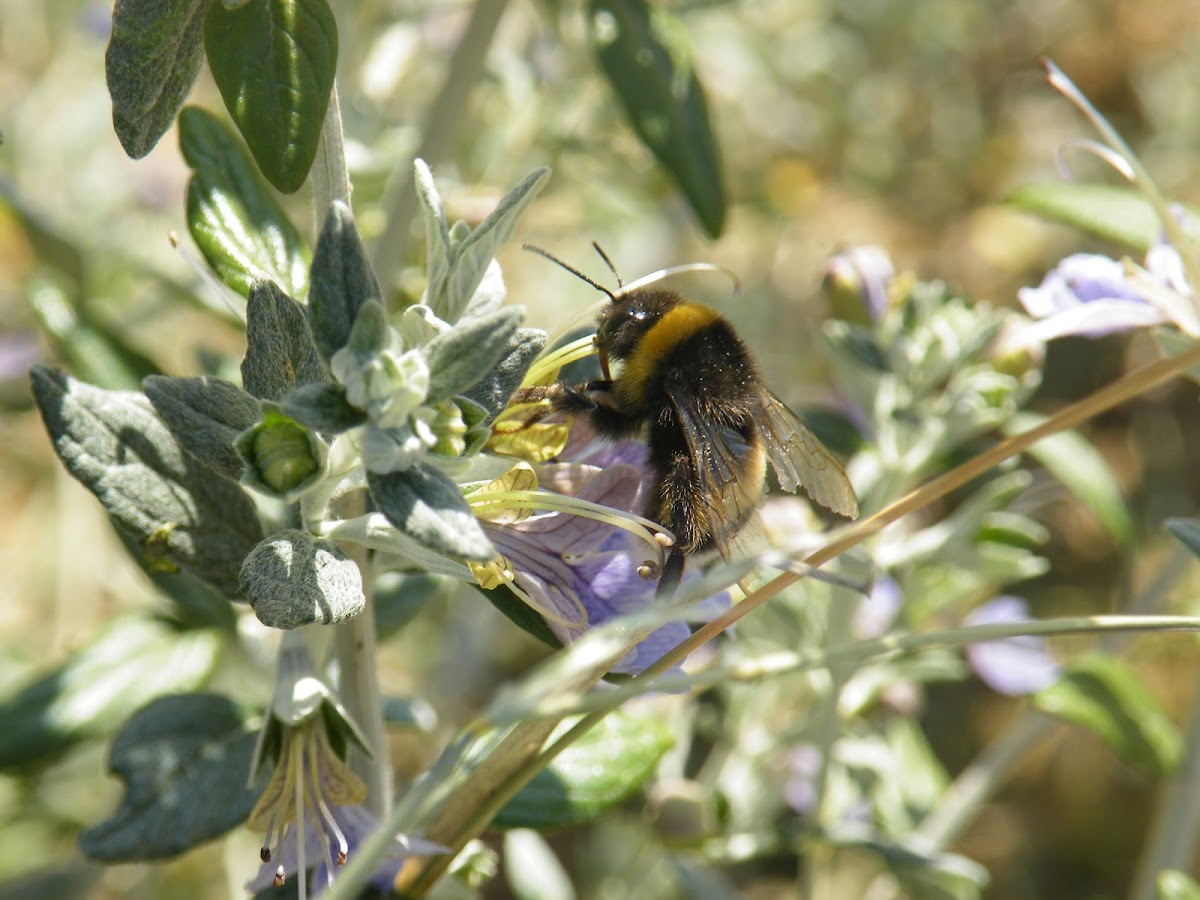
206	415
437	232
178	511
462	356
323	407
493	390
341	281
152	61
280	352
293	579
428	507
184	760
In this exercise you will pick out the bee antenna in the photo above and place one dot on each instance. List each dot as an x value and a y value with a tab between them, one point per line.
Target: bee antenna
554	259
608	262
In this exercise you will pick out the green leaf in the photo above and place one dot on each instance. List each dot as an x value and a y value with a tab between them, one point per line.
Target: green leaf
464	291
232	214
1105	696
342	281
152	61
428	507
1173	343
293	579
206	415
1187	531
437	232
323	407
180	513
534	871
1120	215
1083	471
280	352
1172	884
591	776
274	62
462	356
131	662
494	389
521	614
646	58
399	597
936	875
185	761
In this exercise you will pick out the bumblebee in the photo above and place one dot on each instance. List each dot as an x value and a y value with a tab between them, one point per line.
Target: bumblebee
689	387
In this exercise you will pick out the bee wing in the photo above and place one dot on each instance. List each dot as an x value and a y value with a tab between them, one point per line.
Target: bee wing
727	493
800	459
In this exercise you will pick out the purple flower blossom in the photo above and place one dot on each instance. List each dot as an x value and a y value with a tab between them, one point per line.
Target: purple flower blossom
580	572
1088	295
877	611
1013	666
342	830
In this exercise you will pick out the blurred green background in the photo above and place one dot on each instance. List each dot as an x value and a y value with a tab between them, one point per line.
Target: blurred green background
902	124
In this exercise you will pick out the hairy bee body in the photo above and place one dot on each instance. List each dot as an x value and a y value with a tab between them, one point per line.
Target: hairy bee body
688	385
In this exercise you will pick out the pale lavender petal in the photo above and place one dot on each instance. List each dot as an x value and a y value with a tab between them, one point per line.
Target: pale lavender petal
1095	319
1013	666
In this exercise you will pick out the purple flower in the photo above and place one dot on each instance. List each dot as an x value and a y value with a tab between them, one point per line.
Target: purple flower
342	829
576	565
1087	295
1013	666
877	611
861	274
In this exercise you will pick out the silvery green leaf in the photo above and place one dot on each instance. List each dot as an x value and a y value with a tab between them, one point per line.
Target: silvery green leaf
493	390
341	281
473	256
280	353
184	760
293	579
180	514
428	507
132	661
462	356
206	415
419	325
376	532
152	61
437	233
323	408
489	296
370	333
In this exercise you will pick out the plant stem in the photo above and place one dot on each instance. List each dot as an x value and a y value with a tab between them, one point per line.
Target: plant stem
443	120
354	641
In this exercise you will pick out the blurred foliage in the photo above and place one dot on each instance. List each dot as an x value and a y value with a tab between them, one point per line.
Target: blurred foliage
900	124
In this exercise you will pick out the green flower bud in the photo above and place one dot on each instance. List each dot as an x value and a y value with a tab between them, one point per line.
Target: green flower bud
282	457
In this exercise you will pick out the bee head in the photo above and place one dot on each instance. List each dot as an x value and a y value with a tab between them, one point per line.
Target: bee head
624	321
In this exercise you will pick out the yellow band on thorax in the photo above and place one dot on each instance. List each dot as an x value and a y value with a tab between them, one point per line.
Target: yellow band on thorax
679	324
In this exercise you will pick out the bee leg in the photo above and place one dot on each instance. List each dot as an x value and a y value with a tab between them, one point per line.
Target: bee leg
672	574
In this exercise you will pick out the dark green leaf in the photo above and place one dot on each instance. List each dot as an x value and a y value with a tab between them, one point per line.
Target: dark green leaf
930	875
232	213
591	776
185	760
521	614
1083	471
323	407
342	281
133	661
1120	215
274	62
493	390
427	506
178	511
461	357
1187	531
152	61
206	415
293	579
1102	694
280	352
646	59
